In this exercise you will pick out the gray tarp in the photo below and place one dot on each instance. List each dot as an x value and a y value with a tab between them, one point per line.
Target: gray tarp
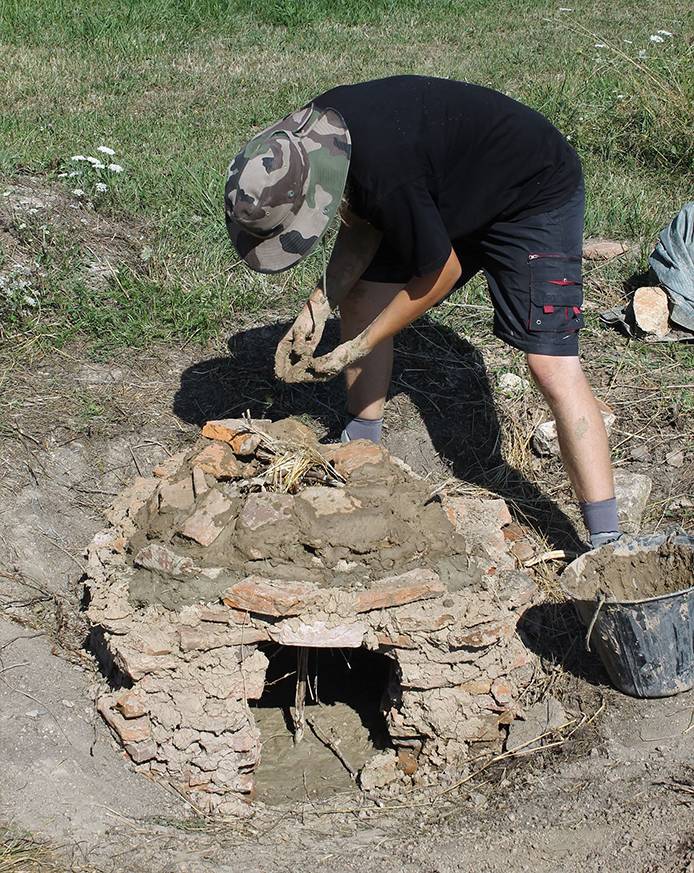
672	262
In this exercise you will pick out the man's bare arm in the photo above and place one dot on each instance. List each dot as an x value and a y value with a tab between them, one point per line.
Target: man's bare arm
355	246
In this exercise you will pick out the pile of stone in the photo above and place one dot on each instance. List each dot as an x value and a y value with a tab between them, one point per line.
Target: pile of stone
206	562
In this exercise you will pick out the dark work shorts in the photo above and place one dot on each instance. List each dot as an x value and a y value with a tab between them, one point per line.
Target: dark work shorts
533	269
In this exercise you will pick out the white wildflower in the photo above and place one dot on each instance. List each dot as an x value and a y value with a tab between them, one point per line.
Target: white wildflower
665	33
106	150
99	166
92	160
78	158
565	9
115	168
628	42
643	53
656	38
600	45
101	188
78	192
74	173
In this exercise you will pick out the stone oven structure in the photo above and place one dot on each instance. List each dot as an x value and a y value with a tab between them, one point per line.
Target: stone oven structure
260	534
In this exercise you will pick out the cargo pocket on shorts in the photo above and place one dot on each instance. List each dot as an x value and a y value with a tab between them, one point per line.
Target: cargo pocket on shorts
556	293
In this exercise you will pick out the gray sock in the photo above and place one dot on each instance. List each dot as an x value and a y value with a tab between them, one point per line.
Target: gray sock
362	429
601	520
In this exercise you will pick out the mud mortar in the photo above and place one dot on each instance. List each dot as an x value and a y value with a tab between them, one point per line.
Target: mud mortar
258	535
632	571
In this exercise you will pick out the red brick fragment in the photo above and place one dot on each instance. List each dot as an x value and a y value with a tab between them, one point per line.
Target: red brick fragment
266	597
348	457
204	638
176	495
244	444
208	521
218	460
130	705
397	590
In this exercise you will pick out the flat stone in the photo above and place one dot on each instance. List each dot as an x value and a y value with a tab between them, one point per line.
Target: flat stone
200	485
164	560
219	461
130	730
176	495
130	705
141	752
244	444
632	491
482	636
136	665
346	458
208	521
265	597
206	638
523	551
409	587
265	509
224	429
603	249
651	311
170	466
318	635
328	501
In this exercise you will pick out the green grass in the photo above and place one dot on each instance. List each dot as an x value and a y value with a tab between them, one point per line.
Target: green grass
175	88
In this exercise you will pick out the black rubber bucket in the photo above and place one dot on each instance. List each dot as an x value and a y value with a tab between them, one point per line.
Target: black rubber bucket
637	600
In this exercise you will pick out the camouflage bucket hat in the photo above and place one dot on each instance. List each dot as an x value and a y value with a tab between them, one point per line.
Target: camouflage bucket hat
284	188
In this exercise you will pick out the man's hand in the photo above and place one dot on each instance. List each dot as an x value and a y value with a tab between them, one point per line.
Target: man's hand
356	244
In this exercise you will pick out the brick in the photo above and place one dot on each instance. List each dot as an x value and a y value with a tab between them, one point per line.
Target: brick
200	486
503	691
170	466
265	509
328	501
224	429
204	639
265	597
209	519
165	560
176	495
397	590
513	532
136	665
396	641
219	461
317	635
130	705
482	636
348	457
523	551
130	730
244	444
141	752
603	249
407	762
482	686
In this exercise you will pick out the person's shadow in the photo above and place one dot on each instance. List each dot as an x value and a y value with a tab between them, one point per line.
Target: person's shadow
443	375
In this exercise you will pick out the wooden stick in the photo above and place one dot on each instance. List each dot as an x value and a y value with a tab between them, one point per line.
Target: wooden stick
300	697
332	745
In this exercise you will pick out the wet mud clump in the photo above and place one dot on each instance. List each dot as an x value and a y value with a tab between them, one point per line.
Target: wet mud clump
259	537
634	570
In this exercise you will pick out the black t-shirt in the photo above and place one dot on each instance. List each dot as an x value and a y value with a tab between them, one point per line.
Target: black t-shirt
434	161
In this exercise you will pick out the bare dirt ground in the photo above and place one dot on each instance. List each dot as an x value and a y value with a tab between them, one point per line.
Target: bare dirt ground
612	790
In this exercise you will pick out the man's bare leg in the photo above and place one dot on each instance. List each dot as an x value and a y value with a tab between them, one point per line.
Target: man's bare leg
583	441
368	379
